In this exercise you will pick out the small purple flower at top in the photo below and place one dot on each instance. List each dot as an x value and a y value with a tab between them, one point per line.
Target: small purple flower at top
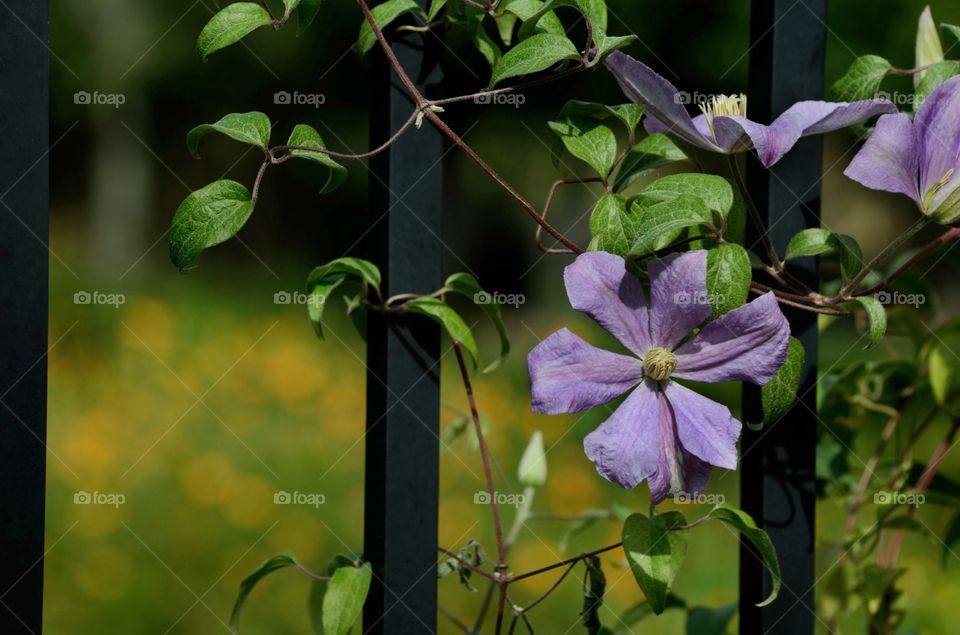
663	432
920	157
723	127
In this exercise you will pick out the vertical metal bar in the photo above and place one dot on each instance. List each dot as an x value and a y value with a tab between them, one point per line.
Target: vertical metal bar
777	487
24	125
403	380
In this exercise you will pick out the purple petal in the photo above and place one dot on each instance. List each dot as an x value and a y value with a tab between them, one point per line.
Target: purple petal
889	160
678	296
800	120
625	448
705	428
746	344
821	117
678	471
569	375
642	85
938	129
599	284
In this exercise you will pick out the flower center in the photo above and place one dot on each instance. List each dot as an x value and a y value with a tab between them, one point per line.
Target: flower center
936	187
723	106
659	363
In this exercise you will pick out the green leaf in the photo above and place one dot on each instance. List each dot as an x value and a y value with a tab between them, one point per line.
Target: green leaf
728	277
306	136
465	284
233	23
863	79
876	317
525	9
436	6
652	153
817	241
533	55
290	5
472	553
588	140
706	621
325	279
344	599
660	224
208	217
455	429
951	33
742	521
594	10
384	15
715	191
252	128
473	24
655	553
450	320
932	78
780	392
629	114
607	44
929	49
612	227
318	590
594	586
307	12
533	464
280	561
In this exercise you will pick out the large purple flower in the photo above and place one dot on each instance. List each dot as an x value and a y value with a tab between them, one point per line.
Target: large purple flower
663	432
920	157
723	126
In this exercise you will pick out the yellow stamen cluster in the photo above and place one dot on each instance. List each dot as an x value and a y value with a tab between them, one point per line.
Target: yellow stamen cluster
723	106
659	364
936	187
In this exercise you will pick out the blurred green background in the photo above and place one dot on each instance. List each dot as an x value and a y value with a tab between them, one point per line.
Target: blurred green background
198	398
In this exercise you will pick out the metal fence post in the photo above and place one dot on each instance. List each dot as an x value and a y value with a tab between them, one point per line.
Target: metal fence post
23	317
403	378
786	65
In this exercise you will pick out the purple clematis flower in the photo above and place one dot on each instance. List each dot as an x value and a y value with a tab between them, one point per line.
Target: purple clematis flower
918	157
723	127
663	432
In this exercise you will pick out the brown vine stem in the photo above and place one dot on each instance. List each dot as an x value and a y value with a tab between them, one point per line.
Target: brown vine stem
944	238
500	577
259	180
922	484
885	254
856	501
564	563
538	237
467	565
423	105
346	155
802	302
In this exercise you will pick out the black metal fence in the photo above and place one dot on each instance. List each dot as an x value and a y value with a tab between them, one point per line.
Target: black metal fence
788	40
